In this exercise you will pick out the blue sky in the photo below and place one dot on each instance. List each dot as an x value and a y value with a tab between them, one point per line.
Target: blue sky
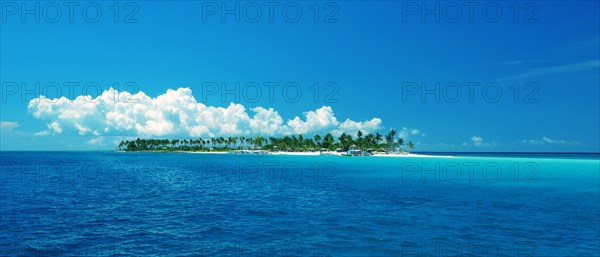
372	62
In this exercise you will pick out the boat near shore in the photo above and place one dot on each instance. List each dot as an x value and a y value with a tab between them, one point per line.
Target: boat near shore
357	153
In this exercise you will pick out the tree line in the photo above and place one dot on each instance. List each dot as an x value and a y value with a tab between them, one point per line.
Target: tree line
294	143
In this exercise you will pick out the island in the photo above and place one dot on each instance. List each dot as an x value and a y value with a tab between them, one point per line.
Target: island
344	145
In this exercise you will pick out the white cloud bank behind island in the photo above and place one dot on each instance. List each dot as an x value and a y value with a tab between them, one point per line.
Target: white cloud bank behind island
177	113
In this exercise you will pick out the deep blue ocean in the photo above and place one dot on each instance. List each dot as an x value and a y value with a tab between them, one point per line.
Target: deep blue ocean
182	204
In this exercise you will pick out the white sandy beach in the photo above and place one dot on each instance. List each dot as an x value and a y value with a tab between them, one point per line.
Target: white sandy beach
410	155
296	153
206	152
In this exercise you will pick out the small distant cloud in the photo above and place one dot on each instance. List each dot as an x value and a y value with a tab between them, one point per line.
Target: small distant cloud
96	141
553	141
477	141
408	132
545	140
9	124
42	133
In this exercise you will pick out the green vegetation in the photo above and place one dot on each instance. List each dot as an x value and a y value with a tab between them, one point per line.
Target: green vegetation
293	143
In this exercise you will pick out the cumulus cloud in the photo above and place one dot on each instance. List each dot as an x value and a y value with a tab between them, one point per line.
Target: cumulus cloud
352	127
319	120
177	113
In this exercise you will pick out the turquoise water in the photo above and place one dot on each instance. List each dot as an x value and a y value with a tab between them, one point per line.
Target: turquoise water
179	204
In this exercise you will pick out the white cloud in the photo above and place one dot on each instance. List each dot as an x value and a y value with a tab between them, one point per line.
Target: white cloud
42	133
319	120
352	127
408	132
266	120
177	113
8	124
96	141
55	127
553	141
477	140
544	140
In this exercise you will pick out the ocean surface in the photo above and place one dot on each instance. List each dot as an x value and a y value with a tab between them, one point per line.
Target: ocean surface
182	204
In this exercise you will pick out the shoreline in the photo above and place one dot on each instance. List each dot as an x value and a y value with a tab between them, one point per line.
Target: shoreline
331	153
392	155
410	155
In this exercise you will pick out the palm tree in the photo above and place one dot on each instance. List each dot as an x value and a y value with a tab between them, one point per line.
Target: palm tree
410	145
359	135
131	146
301	142
378	138
328	142
234	140
370	141
400	143
346	141
222	141
390	138
230	142
318	140
258	141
